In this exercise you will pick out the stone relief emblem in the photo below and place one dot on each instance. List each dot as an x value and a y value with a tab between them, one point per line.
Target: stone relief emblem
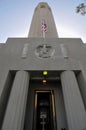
45	51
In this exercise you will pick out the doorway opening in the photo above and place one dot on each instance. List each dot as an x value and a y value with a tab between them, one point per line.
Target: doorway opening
44	112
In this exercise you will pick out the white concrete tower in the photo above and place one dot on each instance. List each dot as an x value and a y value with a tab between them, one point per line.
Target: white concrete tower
42	14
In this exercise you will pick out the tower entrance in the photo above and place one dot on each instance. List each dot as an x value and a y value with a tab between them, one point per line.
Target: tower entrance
44	112
45	106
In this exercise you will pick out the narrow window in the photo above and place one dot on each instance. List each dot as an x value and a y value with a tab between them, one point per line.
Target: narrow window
64	50
25	50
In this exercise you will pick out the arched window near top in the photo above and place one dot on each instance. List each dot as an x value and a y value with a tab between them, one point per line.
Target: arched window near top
42	6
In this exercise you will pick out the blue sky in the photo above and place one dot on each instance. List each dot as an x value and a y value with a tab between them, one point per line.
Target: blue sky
16	16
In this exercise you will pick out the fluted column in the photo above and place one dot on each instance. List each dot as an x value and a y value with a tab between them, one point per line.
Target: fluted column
5	87
15	112
75	111
82	85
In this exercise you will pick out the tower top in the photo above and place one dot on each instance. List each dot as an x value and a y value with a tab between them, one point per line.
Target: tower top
42	5
43	24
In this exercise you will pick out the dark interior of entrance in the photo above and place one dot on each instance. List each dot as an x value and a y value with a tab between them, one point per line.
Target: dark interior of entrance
45	106
44	110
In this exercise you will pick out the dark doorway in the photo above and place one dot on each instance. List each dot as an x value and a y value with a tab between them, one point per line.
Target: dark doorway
51	94
44	113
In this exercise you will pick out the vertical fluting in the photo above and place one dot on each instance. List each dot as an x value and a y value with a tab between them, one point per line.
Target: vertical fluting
75	111
82	85
5	88
15	112
43	12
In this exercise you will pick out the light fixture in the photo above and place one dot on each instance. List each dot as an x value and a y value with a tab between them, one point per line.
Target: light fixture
44	81
45	73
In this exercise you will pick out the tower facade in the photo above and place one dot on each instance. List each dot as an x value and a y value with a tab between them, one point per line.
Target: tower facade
43	79
42	14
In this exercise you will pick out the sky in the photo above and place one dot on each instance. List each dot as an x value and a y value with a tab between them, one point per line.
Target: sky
16	16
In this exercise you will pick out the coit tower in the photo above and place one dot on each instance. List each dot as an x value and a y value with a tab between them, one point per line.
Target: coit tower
42	14
43	79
